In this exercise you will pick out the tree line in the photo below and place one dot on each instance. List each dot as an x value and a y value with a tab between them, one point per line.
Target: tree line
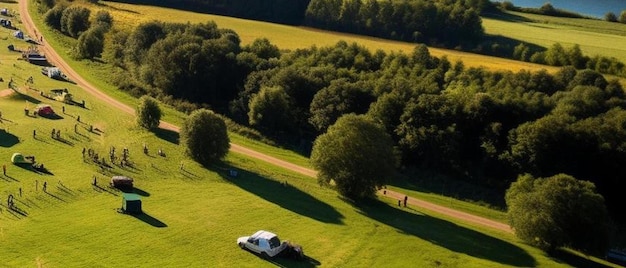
436	22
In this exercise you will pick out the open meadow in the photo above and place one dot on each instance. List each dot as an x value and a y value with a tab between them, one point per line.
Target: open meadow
193	215
595	37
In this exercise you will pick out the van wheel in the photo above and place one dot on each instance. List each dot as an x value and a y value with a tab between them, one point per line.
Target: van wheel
265	256
241	245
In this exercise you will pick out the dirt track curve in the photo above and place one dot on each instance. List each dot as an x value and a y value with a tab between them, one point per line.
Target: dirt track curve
54	58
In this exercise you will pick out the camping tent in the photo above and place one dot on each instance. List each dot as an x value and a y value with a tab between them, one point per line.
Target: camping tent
18	158
122	182
131	203
44	109
19	34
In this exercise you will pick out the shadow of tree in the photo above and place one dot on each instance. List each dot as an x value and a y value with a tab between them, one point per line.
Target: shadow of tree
447	234
145	217
282	194
574	260
8	139
506	16
168	135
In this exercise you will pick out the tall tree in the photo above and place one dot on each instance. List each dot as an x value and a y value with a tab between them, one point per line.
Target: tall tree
356	154
75	20
558	211
270	110
205	136
148	112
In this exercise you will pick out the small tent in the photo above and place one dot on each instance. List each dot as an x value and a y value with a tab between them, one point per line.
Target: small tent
44	109
18	158
122	182
131	203
18	34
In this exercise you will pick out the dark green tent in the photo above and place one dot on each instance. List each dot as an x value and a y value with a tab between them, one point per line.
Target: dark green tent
131	203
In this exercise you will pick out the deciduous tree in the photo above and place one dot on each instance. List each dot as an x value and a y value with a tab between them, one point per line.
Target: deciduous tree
205	136
356	154
148	112
558	211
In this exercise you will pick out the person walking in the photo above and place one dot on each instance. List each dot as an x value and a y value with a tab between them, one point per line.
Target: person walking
406	198
4	169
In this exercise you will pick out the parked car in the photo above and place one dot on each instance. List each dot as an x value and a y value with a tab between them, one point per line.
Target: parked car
262	242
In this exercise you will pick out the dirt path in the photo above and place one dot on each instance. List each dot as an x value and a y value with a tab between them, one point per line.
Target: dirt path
5	92
54	58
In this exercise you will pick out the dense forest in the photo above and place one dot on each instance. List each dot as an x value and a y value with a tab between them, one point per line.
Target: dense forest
482	126
435	22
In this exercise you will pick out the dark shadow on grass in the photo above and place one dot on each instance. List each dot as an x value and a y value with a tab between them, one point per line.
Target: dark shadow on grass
506	16
52	116
29	167
17	212
447	234
145	217
140	192
8	139
574	260
55	197
25	97
282	194
285	262
66	141
168	135
116	8
109	190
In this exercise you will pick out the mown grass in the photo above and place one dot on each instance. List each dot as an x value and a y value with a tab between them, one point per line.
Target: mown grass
194	216
595	37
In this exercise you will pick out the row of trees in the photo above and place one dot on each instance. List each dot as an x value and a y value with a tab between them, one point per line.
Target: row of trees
546	9
557	55
74	21
442	116
610	16
443	22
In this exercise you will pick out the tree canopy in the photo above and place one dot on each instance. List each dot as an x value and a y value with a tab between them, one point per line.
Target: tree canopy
205	136
558	211
148	113
356	154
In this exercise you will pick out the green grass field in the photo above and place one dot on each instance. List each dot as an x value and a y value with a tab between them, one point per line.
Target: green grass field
193	217
595	37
